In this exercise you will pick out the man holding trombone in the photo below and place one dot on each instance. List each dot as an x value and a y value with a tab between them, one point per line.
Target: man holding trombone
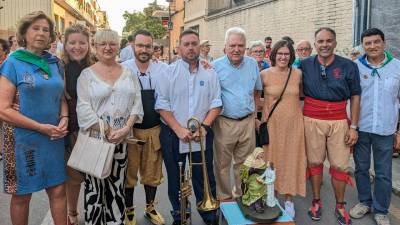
188	90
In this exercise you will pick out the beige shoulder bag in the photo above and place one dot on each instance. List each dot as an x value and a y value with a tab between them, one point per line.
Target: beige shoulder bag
92	155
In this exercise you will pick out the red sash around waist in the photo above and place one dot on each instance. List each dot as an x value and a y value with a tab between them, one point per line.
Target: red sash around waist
324	110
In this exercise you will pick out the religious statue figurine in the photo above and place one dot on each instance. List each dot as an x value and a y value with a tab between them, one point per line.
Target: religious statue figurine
253	189
258	202
268	178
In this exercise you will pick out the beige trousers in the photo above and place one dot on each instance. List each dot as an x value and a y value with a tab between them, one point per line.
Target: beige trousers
145	159
327	137
234	140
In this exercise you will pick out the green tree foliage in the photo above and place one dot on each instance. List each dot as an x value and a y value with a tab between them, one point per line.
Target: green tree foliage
144	20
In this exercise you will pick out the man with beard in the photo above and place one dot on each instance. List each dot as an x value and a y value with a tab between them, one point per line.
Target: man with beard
146	158
187	90
328	82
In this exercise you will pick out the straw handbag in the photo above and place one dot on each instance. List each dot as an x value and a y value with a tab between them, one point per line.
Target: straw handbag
92	155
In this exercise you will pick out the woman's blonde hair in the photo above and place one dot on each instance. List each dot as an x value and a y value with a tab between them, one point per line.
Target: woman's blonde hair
77	29
106	35
26	21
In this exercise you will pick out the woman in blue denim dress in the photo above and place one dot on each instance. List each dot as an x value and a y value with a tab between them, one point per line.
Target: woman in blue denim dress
33	135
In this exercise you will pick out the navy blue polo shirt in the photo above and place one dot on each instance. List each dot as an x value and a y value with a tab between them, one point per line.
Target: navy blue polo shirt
341	82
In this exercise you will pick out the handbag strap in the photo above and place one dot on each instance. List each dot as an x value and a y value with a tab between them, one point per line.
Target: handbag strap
102	129
280	97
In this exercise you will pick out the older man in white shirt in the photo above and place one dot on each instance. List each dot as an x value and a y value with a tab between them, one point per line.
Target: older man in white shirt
188	90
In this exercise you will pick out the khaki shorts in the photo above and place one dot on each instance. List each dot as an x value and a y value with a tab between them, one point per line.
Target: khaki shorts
327	136
74	176
145	159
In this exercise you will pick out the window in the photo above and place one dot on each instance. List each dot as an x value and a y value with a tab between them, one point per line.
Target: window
57	23
62	25
195	28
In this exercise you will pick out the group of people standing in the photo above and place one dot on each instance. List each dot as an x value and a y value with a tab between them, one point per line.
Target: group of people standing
45	102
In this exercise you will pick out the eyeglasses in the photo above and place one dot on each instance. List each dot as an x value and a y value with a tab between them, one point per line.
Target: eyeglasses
323	72
143	46
259	52
110	44
303	49
281	54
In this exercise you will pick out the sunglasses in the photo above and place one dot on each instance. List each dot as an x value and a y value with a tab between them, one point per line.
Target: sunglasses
323	72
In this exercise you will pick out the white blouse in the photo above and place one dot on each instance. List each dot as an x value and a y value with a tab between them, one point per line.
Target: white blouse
112	103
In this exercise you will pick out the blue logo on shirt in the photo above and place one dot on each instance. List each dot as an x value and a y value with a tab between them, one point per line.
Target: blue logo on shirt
29	80
202	83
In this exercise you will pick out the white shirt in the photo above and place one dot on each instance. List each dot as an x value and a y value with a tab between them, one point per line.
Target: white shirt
112	103
379	98
152	73
187	94
126	54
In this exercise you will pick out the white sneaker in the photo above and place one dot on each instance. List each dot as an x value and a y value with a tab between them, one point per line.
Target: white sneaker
382	219
289	209
359	210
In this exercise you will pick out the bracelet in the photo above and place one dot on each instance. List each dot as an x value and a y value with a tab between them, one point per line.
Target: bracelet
64	116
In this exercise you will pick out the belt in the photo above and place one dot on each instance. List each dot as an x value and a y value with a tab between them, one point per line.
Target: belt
238	119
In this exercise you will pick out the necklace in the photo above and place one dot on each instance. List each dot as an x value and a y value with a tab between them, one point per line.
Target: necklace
108	69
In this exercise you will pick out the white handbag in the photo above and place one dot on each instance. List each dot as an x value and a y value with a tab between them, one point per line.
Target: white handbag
92	155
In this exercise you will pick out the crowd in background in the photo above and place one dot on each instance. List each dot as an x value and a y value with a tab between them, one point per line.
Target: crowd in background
78	79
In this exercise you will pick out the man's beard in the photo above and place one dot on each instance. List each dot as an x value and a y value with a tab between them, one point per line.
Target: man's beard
138	57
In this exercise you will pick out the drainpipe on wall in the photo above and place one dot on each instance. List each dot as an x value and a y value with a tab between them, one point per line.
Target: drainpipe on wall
355	20
369	14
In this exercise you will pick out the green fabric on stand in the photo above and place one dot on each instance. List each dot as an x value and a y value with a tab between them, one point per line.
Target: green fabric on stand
253	190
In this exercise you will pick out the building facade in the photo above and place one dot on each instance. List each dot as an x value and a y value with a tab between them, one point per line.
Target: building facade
64	13
177	10
382	14
276	18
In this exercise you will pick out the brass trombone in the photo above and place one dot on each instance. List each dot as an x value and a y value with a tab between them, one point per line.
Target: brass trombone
208	202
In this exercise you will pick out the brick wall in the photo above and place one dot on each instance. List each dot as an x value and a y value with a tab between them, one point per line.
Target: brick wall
276	18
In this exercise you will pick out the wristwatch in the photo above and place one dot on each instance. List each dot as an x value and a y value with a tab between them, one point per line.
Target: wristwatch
355	127
207	127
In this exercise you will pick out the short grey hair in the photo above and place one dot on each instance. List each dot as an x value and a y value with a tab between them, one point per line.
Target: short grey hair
235	30
106	35
254	44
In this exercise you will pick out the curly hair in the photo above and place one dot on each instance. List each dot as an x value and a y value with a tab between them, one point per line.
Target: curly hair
77	29
26	21
277	46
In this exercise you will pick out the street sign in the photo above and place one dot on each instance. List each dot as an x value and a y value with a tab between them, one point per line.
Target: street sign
170	25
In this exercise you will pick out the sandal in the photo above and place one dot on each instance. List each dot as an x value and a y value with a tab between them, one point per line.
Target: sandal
72	218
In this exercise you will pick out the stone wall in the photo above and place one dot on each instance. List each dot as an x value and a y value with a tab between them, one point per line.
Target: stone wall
277	18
